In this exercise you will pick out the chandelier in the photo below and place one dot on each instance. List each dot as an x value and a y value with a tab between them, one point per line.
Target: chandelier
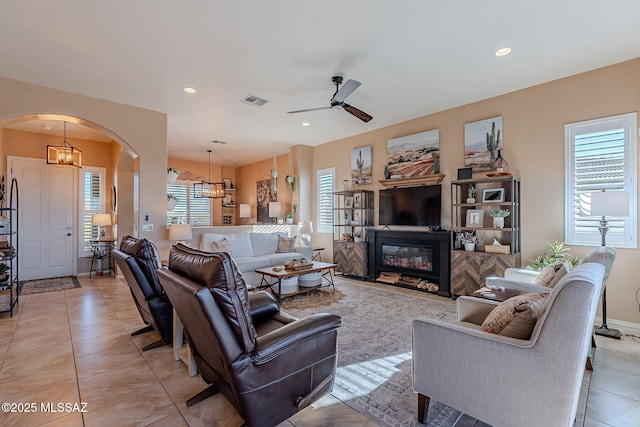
208	189
64	155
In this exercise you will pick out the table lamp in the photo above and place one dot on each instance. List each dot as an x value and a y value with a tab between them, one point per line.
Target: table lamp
179	233
275	211
245	211
305	233
102	221
604	204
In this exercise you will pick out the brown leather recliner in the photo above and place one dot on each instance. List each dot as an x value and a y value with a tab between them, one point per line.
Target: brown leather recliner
137	260
266	363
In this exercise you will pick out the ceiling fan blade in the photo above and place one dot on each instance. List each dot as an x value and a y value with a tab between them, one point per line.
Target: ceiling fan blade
358	113
347	89
310	109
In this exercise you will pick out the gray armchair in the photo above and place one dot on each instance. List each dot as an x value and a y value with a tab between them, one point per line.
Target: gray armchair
505	381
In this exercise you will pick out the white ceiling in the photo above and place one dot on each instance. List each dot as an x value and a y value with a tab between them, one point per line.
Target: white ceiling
413	58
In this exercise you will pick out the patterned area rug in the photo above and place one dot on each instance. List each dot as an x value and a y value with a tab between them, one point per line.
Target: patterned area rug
28	287
374	345
313	299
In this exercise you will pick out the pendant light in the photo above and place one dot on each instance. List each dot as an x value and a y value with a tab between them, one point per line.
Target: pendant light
64	155
274	176
208	189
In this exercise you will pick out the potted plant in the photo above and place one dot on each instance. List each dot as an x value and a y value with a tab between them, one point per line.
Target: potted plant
289	218
4	272
172	175
469	240
498	217
471	194
556	252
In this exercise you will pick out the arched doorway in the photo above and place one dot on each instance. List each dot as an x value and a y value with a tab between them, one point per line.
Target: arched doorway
53	221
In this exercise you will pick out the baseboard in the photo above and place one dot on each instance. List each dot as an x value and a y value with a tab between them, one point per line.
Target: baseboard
627	327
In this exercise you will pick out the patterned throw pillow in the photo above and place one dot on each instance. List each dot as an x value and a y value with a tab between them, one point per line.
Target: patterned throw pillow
286	244
516	317
221	246
548	274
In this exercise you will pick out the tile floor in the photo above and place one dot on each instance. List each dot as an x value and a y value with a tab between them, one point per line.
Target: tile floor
74	346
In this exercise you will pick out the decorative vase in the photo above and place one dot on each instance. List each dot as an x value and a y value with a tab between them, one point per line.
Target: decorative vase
498	222
289	221
471	200
470	247
500	164
172	177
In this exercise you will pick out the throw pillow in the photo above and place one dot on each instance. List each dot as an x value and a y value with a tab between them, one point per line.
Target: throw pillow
548	273
286	244
566	267
516	317
221	246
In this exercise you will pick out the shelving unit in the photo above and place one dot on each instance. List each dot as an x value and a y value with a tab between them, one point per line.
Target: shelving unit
469	270
9	233
352	218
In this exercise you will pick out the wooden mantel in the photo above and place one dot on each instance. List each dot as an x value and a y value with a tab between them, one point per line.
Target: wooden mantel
412	181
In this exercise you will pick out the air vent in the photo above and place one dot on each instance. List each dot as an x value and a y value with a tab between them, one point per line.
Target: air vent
217	141
254	100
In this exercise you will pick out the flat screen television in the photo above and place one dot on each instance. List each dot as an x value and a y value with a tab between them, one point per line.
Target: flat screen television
411	206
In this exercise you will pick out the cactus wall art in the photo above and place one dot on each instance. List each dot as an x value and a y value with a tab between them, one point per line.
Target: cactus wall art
361	172
482	140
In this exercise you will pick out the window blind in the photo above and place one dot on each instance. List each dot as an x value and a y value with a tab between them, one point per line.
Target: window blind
189	210
326	183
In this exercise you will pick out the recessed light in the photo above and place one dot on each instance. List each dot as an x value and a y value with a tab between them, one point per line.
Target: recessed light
189	90
503	51
47	127
306	124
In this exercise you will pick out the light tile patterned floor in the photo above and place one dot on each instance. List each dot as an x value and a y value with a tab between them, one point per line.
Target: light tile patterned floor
74	346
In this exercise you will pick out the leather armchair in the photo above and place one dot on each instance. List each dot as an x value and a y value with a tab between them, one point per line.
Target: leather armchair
138	261
266	363
505	381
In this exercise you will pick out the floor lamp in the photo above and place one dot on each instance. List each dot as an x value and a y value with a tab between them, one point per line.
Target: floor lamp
604	204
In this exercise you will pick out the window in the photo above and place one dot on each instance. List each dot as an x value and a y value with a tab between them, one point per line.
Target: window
325	179
92	201
601	155
189	210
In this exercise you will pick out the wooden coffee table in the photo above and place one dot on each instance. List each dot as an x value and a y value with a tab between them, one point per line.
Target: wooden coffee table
496	295
324	267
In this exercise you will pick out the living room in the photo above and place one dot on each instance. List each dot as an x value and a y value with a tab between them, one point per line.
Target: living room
534	122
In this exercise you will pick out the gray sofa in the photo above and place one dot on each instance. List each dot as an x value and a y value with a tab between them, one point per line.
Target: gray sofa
254	250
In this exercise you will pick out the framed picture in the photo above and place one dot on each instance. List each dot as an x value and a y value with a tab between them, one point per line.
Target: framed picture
227	182
357	217
482	140
356	200
475	218
492	195
361	171
414	155
348	202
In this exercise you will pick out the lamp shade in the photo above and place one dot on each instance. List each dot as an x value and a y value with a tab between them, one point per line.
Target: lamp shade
609	203
275	209
245	210
180	232
101	219
307	227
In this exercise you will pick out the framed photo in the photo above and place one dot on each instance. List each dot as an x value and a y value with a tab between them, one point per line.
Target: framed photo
357	217
227	182
492	195
348	202
482	140
361	171
475	218
356	200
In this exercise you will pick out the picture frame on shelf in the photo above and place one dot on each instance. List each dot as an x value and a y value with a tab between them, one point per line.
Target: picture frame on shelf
356	200
227	183
357	217
475	218
348	202
493	195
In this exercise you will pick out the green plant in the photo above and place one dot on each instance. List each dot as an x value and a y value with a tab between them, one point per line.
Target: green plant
468	237
289	215
555	252
471	192
500	213
4	268
291	182
174	170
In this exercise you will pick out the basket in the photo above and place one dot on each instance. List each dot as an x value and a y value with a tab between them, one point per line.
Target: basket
495	249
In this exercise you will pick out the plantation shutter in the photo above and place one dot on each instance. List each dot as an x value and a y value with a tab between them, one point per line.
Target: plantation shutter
93	201
599	152
189	210
326	184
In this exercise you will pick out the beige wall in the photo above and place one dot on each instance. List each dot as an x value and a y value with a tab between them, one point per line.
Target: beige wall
533	125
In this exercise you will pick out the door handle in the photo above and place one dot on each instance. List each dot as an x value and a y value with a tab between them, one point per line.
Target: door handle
68	234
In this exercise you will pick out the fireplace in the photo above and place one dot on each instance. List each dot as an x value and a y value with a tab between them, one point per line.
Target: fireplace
410	259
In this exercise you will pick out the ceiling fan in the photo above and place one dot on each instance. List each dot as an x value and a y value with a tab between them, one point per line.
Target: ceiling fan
337	101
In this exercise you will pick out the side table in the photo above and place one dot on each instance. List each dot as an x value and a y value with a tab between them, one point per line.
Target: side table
317	254
101	249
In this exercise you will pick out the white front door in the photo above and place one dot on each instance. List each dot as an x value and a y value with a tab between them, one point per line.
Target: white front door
46	229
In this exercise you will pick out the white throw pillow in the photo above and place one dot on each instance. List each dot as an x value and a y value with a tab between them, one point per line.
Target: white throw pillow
240	245
264	244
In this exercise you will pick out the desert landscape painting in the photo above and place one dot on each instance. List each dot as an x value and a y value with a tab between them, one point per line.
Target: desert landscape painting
413	155
361	172
482	139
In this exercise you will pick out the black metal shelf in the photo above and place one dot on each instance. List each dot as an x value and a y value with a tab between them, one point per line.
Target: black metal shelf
9	290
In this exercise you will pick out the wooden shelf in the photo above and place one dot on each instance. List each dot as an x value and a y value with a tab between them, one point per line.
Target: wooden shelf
412	181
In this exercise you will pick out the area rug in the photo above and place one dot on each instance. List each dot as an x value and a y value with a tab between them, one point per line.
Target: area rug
29	287
313	299
374	352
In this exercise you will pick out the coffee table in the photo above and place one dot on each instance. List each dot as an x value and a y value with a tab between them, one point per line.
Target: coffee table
324	267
